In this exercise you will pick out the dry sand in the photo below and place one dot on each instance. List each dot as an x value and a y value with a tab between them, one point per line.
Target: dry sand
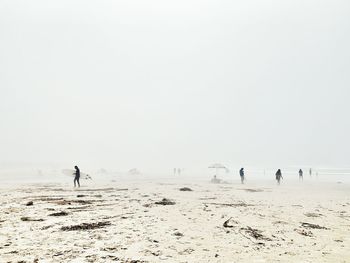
264	223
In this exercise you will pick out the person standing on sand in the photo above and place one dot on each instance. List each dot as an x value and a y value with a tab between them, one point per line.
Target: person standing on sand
241	174
300	174
279	176
77	176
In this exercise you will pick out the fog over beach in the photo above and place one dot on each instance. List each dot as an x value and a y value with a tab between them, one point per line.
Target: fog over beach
154	131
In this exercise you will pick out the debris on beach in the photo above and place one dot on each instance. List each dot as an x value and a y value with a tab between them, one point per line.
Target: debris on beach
86	226
49	199
313	226
186	251
186	189
59	214
165	201
46	227
208	198
313	214
255	233
240	204
230	223
178	234
69	202
92	258
25	218
304	232
79	208
30	203
280	222
253	190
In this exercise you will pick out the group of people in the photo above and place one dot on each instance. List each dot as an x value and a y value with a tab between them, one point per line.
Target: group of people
278	175
241	174
177	171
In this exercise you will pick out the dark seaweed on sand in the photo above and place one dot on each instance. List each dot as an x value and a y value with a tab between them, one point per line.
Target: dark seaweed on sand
165	201
85	226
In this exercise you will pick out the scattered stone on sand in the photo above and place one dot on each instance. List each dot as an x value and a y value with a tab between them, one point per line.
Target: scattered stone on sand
186	189
30	203
304	232
165	201
178	234
86	226
59	214
81	195
230	223
313	226
25	218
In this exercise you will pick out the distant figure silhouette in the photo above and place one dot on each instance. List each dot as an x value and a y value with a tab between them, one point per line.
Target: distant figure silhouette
279	176
241	174
300	174
310	172
77	176
215	180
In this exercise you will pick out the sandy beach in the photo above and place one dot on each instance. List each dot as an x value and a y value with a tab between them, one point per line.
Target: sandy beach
162	222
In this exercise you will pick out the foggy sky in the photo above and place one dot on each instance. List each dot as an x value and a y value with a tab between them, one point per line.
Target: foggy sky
160	84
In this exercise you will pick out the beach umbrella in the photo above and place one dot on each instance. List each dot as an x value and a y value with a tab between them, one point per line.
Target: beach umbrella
218	166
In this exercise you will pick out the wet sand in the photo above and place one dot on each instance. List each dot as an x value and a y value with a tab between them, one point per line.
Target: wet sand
130	222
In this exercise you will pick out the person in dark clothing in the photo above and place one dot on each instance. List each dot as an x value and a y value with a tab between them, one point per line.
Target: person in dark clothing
279	176
241	174
77	176
300	174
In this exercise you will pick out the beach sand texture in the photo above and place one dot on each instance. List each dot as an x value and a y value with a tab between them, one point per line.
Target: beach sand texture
132	222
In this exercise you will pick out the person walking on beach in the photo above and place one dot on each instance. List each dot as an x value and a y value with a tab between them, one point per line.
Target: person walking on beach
77	176
241	174
300	174
279	176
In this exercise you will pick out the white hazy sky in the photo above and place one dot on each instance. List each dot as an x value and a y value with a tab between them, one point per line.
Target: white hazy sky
162	84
